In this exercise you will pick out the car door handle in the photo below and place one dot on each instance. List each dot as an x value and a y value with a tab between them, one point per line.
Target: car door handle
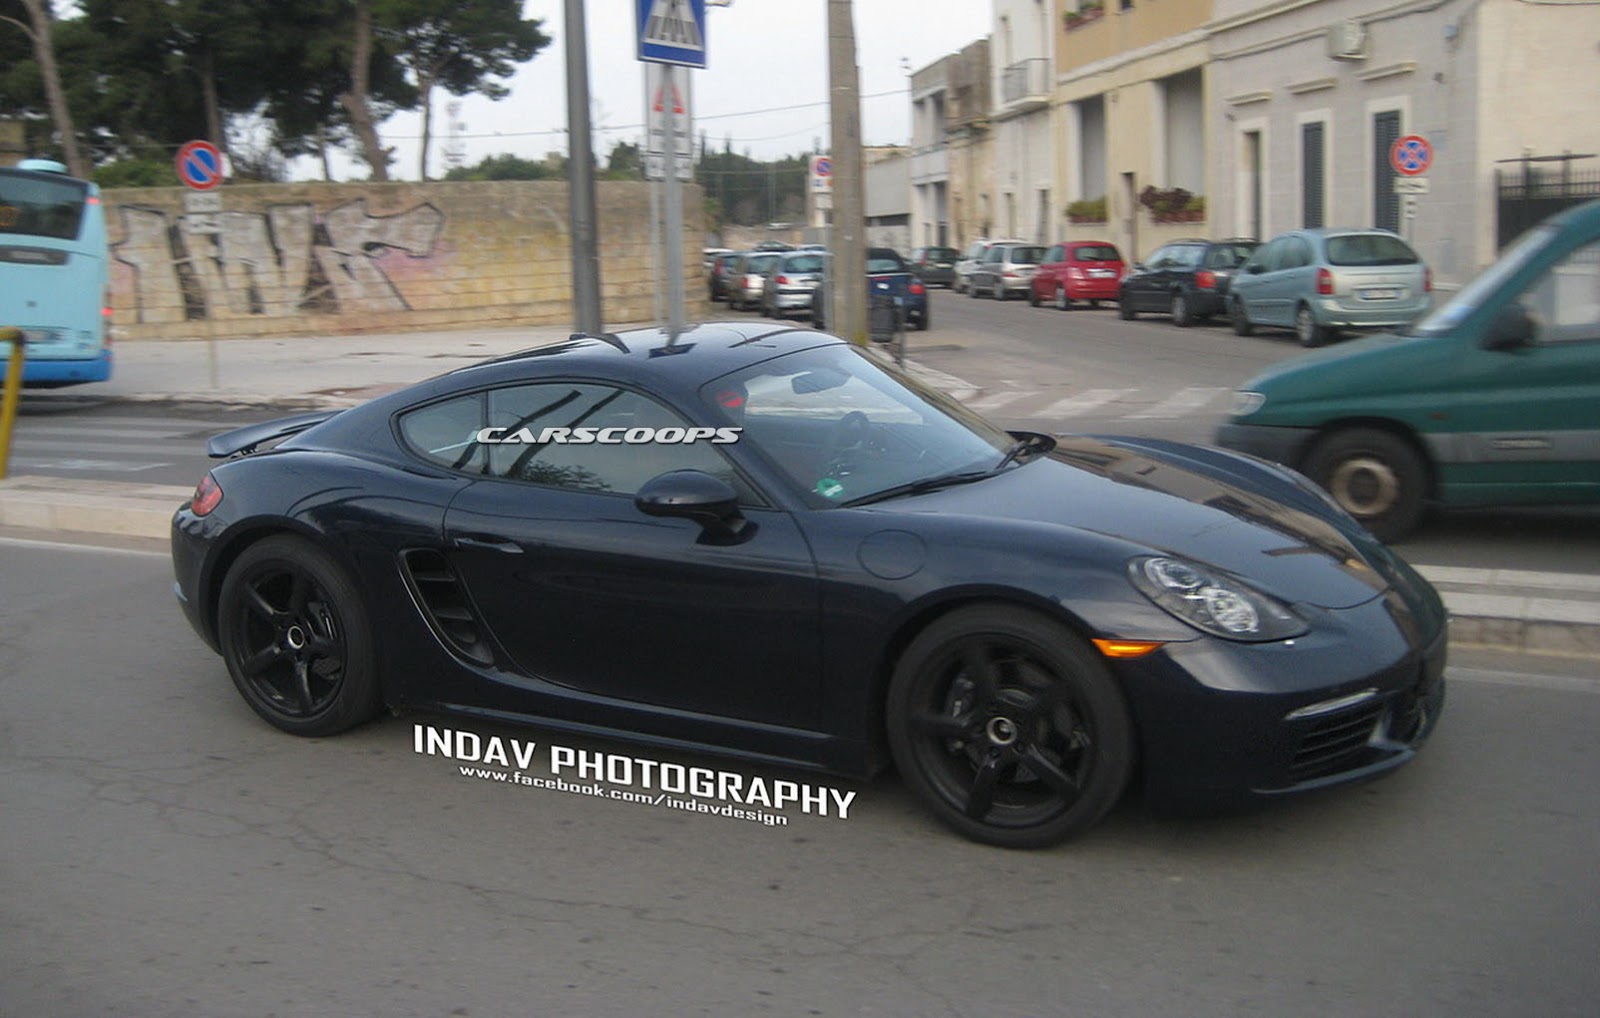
488	542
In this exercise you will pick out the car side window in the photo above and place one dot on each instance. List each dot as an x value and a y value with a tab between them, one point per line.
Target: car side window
1565	300
1268	256
1055	255
995	255
1298	253
1159	258
586	437
445	433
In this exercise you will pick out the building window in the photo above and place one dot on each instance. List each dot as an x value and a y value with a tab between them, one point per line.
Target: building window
1313	186
1127	5
1385	203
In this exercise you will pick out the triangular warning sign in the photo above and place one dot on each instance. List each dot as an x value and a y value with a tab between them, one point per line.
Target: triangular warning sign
672	23
677	99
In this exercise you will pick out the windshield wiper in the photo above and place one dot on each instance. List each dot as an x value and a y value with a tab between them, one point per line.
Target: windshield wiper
1030	442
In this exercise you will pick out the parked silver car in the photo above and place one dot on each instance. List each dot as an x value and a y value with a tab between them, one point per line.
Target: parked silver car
790	283
749	278
1318	282
970	258
1006	271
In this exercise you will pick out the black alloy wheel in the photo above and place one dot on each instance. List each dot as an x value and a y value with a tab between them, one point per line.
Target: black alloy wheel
296	638
1009	727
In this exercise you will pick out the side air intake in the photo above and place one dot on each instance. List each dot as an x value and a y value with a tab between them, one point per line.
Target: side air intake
443	602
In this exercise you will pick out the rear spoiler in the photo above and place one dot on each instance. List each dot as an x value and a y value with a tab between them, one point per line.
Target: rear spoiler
245	439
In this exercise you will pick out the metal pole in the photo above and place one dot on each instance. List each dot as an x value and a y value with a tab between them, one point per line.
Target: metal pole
13	393
669	86
580	166
656	296
848	316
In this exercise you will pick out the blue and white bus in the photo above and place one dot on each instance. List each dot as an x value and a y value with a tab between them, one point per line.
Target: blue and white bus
55	274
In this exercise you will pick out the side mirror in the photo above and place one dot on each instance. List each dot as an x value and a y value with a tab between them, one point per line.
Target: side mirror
1511	327
696	495
1139	266
1254	268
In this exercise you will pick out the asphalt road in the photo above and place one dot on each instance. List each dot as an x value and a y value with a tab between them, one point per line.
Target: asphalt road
164	852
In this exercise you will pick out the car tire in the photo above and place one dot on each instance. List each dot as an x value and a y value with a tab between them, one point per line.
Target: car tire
1125	311
1063	302
1009	727
1376	476
1181	316
972	290
1306	328
925	319
297	640
1242	325
1095	304
1033	296
1000	292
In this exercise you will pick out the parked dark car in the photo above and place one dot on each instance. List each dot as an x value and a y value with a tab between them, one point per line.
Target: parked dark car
863	571
1074	270
935	266
723	267
1187	279
888	276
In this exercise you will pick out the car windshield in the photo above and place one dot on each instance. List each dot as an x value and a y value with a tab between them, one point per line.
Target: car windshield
1369	249
1095	253
1469	297
842	427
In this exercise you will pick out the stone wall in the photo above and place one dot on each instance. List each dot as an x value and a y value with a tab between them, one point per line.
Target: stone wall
317	258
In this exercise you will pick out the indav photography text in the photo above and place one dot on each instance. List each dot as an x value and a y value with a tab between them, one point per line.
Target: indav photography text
635	779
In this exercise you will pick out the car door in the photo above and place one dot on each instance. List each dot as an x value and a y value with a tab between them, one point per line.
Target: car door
1145	285
1048	278
1292	281
1525	417
585	591
1252	286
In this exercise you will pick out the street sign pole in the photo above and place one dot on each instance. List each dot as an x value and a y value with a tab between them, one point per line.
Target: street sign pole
674	259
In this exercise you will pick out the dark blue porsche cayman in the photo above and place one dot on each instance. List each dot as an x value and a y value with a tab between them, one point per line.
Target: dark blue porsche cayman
760	541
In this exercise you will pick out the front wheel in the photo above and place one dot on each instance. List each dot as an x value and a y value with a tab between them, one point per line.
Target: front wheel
1009	727
1063	302
1242	325
1182	317
1125	310
1376	476
297	640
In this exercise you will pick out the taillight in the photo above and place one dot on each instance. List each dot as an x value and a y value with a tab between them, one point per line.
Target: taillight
207	496
1075	273
1325	282
1205	279
783	280
917	290
1427	280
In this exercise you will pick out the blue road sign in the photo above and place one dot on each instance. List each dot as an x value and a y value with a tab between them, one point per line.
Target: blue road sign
672	31
199	165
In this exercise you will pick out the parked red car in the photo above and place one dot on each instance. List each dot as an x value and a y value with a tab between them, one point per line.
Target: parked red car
1078	270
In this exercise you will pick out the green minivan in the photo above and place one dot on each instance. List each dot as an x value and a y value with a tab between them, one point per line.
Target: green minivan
1491	399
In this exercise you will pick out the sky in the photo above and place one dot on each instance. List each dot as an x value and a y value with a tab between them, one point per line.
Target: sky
762	55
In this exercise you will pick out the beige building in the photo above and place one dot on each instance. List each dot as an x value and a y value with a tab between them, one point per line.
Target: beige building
1130	105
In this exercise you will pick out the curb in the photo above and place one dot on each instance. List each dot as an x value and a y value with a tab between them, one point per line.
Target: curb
1498	609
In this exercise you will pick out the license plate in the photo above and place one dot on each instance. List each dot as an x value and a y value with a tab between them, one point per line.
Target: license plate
1101	273
1379	293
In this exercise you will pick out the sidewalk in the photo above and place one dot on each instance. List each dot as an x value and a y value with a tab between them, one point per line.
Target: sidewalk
1553	613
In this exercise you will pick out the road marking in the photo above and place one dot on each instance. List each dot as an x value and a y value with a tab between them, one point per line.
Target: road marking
1084	402
39	445
23	542
998	400
1179	404
1563	683
116	466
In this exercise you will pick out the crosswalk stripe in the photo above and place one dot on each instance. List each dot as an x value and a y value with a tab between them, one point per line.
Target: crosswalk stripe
994	402
1084	402
1182	402
42	445
112	466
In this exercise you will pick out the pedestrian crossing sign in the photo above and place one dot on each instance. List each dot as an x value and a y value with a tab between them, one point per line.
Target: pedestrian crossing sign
672	32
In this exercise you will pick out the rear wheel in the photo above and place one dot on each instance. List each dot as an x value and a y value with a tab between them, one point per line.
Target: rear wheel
1009	727
1307	329
1241	321
1063	302
1182	317
1376	476
1125	310
297	640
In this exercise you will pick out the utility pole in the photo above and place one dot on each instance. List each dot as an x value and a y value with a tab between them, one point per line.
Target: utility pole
580	167
848	313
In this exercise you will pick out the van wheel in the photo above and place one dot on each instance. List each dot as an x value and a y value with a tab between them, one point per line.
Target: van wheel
1376	476
1307	329
1242	325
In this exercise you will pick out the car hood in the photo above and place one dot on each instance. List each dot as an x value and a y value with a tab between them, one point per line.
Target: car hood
1201	504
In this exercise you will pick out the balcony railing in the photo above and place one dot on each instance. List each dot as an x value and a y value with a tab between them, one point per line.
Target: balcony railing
929	165
1026	83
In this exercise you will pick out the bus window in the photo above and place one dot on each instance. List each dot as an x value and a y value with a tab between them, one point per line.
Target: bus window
54	274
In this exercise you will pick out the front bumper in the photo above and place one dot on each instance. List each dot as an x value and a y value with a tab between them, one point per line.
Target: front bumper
1278	444
1227	725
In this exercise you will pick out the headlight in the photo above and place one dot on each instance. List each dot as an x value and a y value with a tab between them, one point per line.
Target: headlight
1246	403
1219	605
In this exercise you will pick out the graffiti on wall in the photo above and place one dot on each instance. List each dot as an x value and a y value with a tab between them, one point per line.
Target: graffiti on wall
284	261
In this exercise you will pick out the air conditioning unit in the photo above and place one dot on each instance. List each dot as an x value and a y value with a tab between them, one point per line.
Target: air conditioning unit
1347	40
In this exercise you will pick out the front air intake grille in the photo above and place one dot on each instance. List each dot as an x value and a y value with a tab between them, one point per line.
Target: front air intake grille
443	602
1335	743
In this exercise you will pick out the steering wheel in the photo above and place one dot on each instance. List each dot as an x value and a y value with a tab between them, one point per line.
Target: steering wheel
851	432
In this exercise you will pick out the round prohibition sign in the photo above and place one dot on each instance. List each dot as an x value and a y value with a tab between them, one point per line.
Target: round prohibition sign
1411	155
199	165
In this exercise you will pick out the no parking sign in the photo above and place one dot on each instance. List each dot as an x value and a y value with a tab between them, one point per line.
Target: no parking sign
1411	156
199	165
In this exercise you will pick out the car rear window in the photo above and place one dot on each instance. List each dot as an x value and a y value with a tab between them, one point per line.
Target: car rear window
884	261
1369	249
804	263
1027	255
941	254
1096	253
1229	256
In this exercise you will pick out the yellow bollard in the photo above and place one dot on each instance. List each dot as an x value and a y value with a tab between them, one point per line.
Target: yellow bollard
13	392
